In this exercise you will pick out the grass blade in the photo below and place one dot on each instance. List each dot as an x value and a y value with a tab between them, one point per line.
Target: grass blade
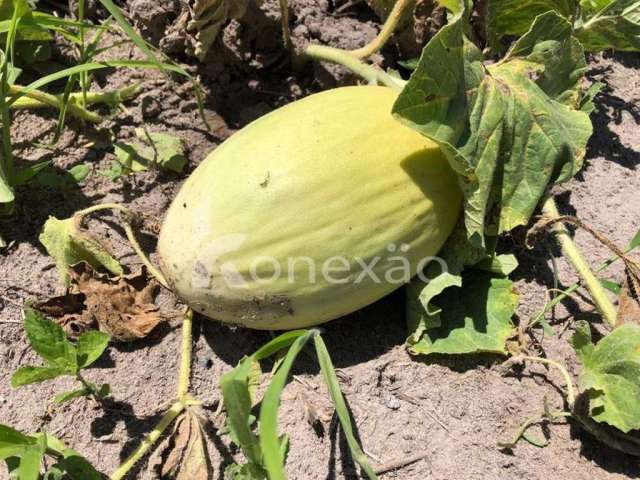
269	440
88	67
278	343
237	403
329	374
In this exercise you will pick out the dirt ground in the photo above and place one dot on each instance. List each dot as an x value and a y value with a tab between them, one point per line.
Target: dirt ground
454	410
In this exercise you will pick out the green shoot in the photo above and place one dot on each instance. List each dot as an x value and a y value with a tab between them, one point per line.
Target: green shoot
266	451
26	455
61	357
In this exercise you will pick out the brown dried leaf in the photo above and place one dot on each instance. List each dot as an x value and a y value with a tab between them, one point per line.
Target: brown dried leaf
629	305
119	306
187	457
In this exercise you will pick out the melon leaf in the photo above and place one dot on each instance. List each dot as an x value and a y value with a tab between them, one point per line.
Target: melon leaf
68	245
475	317
509	129
610	374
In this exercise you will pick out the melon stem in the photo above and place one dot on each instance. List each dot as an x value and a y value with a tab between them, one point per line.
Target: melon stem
572	253
388	28
130	236
342	57
183	402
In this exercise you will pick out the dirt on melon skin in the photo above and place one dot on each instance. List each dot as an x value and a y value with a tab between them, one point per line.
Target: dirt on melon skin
277	227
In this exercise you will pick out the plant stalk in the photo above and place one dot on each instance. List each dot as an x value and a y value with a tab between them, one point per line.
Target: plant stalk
110	98
183	402
176	409
571	251
387	30
54	101
130	236
346	59
571	393
185	359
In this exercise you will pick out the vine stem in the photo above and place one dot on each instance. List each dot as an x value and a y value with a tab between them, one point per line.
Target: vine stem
571	393
113	97
185	359
371	74
387	30
576	258
130	236
183	402
176	409
54	101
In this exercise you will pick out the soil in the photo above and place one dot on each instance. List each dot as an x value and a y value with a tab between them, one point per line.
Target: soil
454	410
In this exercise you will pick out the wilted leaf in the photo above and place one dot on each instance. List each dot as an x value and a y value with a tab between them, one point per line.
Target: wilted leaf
206	20
514	17
421	313
611	374
121	307
472	322
509	129
609	24
187	458
68	245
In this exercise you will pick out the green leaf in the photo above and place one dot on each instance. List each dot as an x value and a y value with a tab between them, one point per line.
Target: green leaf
6	192
475	322
30	374
91	345
49	340
26	174
129	157
30	461
65	179
635	242
68	246
611	375
236	387
510	129
502	265
269	439
167	152
422	314
114	173
247	471
610	24
237	402
331	379
164	150
611	285
514	17
10	437
70	395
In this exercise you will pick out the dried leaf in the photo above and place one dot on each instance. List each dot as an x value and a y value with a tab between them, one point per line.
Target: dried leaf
122	306
207	18
629	305
187	457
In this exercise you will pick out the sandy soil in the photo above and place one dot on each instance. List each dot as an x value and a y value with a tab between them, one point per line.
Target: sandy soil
454	410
